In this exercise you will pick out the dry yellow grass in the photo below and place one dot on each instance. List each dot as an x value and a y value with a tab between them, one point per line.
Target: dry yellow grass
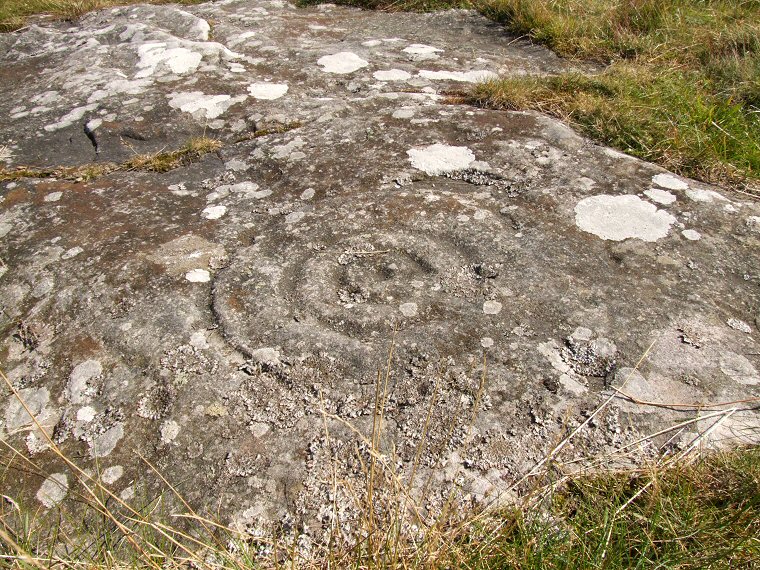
191	152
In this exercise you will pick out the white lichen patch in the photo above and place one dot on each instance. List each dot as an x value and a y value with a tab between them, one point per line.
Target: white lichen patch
419	52
267	91
259	194
403	113
53	196
86	414
42	287
463	76
201	28
213	212
45	98
617	218
36	442
259	429
71	117
198	340
112	474
739	369
17	415
6	154
266	355
169	431
571	383
236	165
392	75
245	37
93	124
119	87
551	351
691	235
178	60
669	181
73	252
342	62
581	334
739	325
105	443
408	309
53	490
247	188
81	385
198	276
290	150
5	228
660	196
203	106
492	307
294	217
706	196
179	190
420	49
436	159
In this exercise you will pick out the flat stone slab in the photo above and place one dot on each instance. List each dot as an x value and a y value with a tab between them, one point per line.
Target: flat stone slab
493	276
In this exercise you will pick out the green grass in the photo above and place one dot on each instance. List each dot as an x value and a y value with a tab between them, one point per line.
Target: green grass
704	515
669	117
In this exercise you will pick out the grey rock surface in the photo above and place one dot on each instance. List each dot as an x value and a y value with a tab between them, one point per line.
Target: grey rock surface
229	319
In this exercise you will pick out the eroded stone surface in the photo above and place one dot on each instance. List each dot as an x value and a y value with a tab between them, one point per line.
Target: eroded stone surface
217	317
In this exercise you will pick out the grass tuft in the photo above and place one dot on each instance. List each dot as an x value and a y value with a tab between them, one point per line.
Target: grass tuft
192	151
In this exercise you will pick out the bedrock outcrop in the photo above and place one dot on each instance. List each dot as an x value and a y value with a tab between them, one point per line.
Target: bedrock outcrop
360	242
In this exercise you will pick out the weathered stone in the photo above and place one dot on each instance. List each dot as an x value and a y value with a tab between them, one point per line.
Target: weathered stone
355	224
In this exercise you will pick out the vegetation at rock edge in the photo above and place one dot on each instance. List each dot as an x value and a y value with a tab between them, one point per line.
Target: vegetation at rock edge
687	507
676	82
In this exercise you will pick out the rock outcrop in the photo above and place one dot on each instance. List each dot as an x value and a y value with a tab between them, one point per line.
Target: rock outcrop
492	277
